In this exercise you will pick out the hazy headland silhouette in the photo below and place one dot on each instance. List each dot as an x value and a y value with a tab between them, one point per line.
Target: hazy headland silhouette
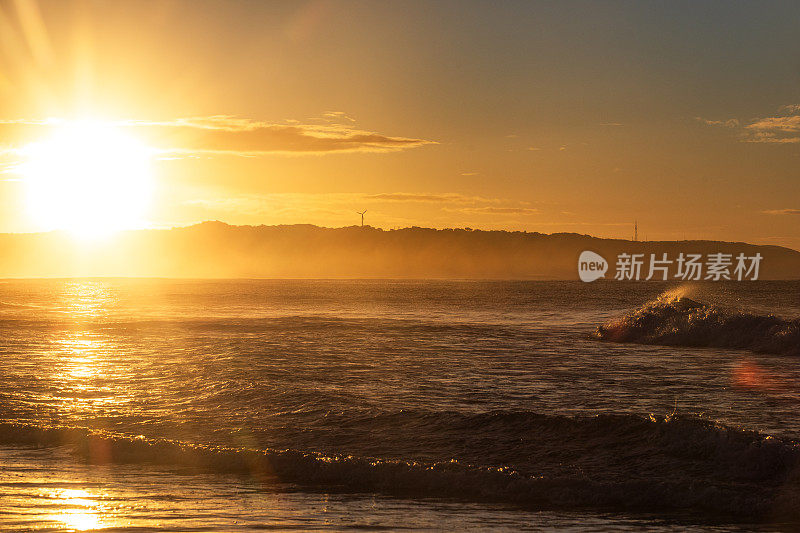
219	250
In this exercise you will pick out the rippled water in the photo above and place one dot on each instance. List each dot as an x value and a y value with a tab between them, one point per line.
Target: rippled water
382	404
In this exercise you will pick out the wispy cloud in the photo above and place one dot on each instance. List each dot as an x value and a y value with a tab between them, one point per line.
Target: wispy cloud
781	128
237	135
280	204
498	210
783	212
730	123
245	136
338	115
343	204
452	198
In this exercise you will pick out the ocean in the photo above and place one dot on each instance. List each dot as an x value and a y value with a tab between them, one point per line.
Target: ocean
200	405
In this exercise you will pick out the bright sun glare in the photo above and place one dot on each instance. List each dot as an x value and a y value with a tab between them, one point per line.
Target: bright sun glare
88	178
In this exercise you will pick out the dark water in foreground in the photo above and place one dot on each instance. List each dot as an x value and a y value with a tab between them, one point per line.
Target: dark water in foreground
241	405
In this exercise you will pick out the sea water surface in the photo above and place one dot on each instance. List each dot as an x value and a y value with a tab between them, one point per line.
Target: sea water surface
278	404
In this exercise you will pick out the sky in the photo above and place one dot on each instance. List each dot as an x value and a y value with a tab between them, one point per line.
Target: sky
539	116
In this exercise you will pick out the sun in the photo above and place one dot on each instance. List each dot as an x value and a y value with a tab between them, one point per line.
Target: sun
89	178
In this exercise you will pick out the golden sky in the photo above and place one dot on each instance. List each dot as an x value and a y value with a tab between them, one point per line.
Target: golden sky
568	116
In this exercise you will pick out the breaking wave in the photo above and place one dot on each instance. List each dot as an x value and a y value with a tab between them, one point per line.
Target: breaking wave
675	320
610	461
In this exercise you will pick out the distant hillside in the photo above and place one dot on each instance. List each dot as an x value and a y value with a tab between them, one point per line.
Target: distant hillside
215	249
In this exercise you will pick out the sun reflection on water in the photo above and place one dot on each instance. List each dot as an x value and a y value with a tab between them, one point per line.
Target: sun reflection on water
81	509
83	378
87	298
83	355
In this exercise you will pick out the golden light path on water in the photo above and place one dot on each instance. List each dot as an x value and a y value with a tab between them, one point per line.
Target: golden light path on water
90	378
81	358
83	355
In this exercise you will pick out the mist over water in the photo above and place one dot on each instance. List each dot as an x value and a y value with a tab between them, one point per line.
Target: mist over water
308	394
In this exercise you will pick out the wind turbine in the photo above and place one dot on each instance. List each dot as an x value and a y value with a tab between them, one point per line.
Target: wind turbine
362	216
